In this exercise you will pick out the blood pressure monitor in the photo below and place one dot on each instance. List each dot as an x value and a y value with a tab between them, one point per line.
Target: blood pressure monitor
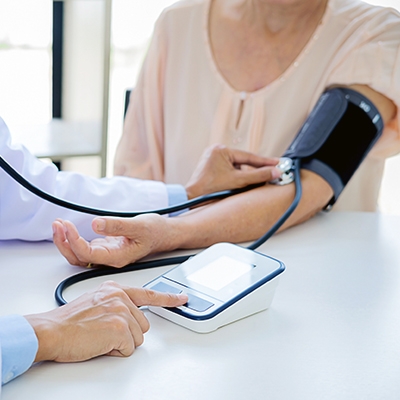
224	283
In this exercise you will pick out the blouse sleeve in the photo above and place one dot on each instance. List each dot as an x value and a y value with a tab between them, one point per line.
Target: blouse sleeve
372	57
140	151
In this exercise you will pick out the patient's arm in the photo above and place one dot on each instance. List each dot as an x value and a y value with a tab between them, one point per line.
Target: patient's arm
240	218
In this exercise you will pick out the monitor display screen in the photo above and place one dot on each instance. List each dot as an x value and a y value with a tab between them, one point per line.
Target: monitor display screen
220	273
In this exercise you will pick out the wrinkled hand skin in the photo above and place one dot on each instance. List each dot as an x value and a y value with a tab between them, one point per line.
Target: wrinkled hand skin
106	321
125	241
221	168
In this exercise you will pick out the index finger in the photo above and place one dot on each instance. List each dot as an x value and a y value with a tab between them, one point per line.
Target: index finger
245	157
258	175
148	297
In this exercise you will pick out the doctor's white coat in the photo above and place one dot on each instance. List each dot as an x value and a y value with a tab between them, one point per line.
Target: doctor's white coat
27	217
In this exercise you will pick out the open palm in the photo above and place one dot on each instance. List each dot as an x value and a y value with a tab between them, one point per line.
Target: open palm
127	240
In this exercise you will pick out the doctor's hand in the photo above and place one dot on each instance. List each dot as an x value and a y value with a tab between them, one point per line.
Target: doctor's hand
126	240
221	168
106	321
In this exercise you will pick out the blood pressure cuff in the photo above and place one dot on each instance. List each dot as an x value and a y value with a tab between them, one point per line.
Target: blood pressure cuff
337	136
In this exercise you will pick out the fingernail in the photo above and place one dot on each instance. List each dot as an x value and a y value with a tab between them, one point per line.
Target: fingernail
100	224
183	297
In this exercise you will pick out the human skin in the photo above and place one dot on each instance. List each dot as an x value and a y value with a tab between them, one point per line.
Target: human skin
222	168
253	43
236	219
106	321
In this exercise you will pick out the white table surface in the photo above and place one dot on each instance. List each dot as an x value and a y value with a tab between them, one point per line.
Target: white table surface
332	332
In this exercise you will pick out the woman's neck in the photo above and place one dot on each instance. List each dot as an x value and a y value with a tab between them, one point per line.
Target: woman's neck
275	17
255	41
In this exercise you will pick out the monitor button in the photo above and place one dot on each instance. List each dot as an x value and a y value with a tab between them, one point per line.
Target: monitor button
197	304
164	288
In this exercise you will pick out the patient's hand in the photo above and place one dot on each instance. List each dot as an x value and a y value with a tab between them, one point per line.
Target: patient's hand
125	241
220	168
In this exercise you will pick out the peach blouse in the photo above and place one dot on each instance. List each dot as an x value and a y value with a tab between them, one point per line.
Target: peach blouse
182	103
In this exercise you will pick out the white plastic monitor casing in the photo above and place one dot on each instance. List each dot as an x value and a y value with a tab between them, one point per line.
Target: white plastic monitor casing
224	283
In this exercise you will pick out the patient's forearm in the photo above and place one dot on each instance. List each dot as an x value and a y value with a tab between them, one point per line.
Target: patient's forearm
240	218
247	216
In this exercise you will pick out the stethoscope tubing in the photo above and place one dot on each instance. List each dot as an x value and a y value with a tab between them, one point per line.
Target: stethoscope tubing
104	271
82	276
112	213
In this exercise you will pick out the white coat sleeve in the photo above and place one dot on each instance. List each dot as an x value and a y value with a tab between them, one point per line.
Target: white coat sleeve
27	217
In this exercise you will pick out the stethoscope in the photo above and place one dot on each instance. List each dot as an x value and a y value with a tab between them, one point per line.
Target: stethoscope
291	172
